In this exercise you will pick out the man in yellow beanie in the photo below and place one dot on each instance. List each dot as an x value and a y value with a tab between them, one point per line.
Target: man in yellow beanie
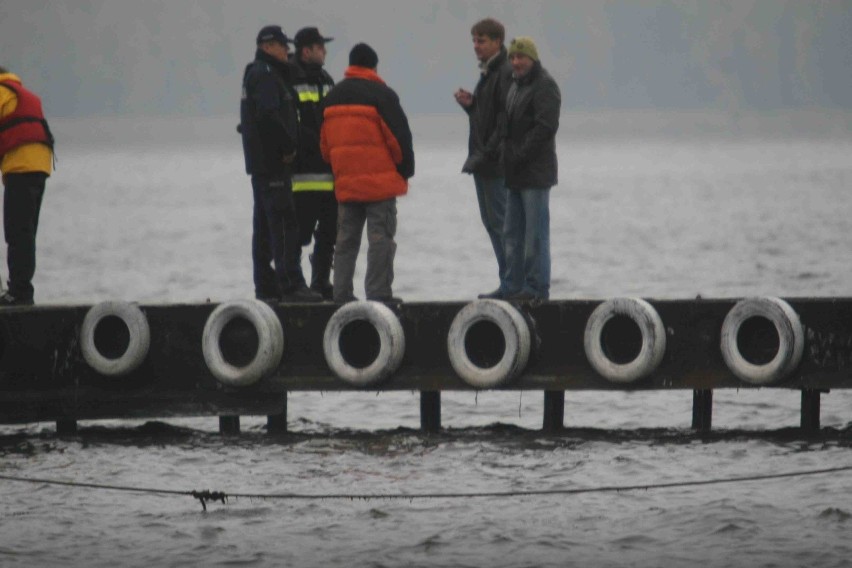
26	160
532	108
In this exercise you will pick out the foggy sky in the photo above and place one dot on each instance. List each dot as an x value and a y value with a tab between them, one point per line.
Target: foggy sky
182	57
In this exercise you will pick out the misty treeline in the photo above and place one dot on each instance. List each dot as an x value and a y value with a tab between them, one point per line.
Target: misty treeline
166	57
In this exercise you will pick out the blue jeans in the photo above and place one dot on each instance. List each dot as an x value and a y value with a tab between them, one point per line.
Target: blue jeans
491	194
527	242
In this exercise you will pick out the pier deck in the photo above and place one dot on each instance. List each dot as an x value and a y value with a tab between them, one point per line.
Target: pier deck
45	375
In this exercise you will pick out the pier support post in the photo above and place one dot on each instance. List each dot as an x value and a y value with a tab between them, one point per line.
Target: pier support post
430	411
229	425
66	427
554	411
810	410
277	423
702	410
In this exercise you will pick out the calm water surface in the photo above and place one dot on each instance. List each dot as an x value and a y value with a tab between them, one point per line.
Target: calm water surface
660	206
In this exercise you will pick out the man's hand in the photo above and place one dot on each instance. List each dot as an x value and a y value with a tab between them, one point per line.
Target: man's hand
289	158
464	98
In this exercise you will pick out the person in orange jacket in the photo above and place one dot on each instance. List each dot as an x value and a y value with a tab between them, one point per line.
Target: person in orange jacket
26	161
366	138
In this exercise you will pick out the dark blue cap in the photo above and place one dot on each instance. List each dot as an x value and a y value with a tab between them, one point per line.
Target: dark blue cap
310	36
272	33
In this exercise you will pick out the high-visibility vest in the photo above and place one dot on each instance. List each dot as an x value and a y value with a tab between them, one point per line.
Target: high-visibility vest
313	182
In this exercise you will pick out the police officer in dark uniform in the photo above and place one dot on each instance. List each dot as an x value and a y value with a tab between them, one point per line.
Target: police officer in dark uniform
269	129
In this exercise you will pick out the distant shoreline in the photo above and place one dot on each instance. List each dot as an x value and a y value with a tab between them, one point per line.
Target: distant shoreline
218	130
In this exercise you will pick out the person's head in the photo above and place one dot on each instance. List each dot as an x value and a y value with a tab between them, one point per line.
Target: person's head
522	55
273	41
362	55
488	36
3	70
310	45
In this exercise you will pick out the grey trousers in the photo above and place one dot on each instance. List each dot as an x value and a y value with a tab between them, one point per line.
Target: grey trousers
380	217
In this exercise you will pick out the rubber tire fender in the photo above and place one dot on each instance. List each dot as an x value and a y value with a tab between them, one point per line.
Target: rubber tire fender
391	342
516	335
139	338
270	337
650	326
791	340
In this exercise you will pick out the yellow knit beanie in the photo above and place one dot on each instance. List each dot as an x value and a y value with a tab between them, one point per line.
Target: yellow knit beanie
524	45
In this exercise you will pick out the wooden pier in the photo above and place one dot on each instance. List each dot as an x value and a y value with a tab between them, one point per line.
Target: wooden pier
120	360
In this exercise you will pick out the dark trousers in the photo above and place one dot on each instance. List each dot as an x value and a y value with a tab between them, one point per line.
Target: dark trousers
275	238
317	213
21	207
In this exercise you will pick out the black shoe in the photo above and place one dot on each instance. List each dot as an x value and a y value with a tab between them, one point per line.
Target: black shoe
493	295
301	295
325	290
7	299
346	300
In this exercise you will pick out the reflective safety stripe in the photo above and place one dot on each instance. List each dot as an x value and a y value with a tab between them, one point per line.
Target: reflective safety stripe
314	186
311	93
313	182
309	97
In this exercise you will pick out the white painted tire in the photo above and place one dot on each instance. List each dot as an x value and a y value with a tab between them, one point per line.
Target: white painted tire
791	340
653	340
391	343
270	338
138	344
516	335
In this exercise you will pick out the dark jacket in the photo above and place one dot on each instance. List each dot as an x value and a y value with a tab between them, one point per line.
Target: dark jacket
268	119
312	84
366	138
532	112
487	117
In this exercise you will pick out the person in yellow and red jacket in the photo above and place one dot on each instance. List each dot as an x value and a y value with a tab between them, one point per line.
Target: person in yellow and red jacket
366	138
26	160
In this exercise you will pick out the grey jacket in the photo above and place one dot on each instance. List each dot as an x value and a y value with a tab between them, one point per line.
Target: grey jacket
487	117
532	109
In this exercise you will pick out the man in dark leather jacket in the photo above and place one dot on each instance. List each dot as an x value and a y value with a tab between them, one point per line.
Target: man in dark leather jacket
486	109
532	112
268	125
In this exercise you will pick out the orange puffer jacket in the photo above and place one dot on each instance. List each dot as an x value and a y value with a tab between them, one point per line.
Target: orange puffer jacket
366	138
